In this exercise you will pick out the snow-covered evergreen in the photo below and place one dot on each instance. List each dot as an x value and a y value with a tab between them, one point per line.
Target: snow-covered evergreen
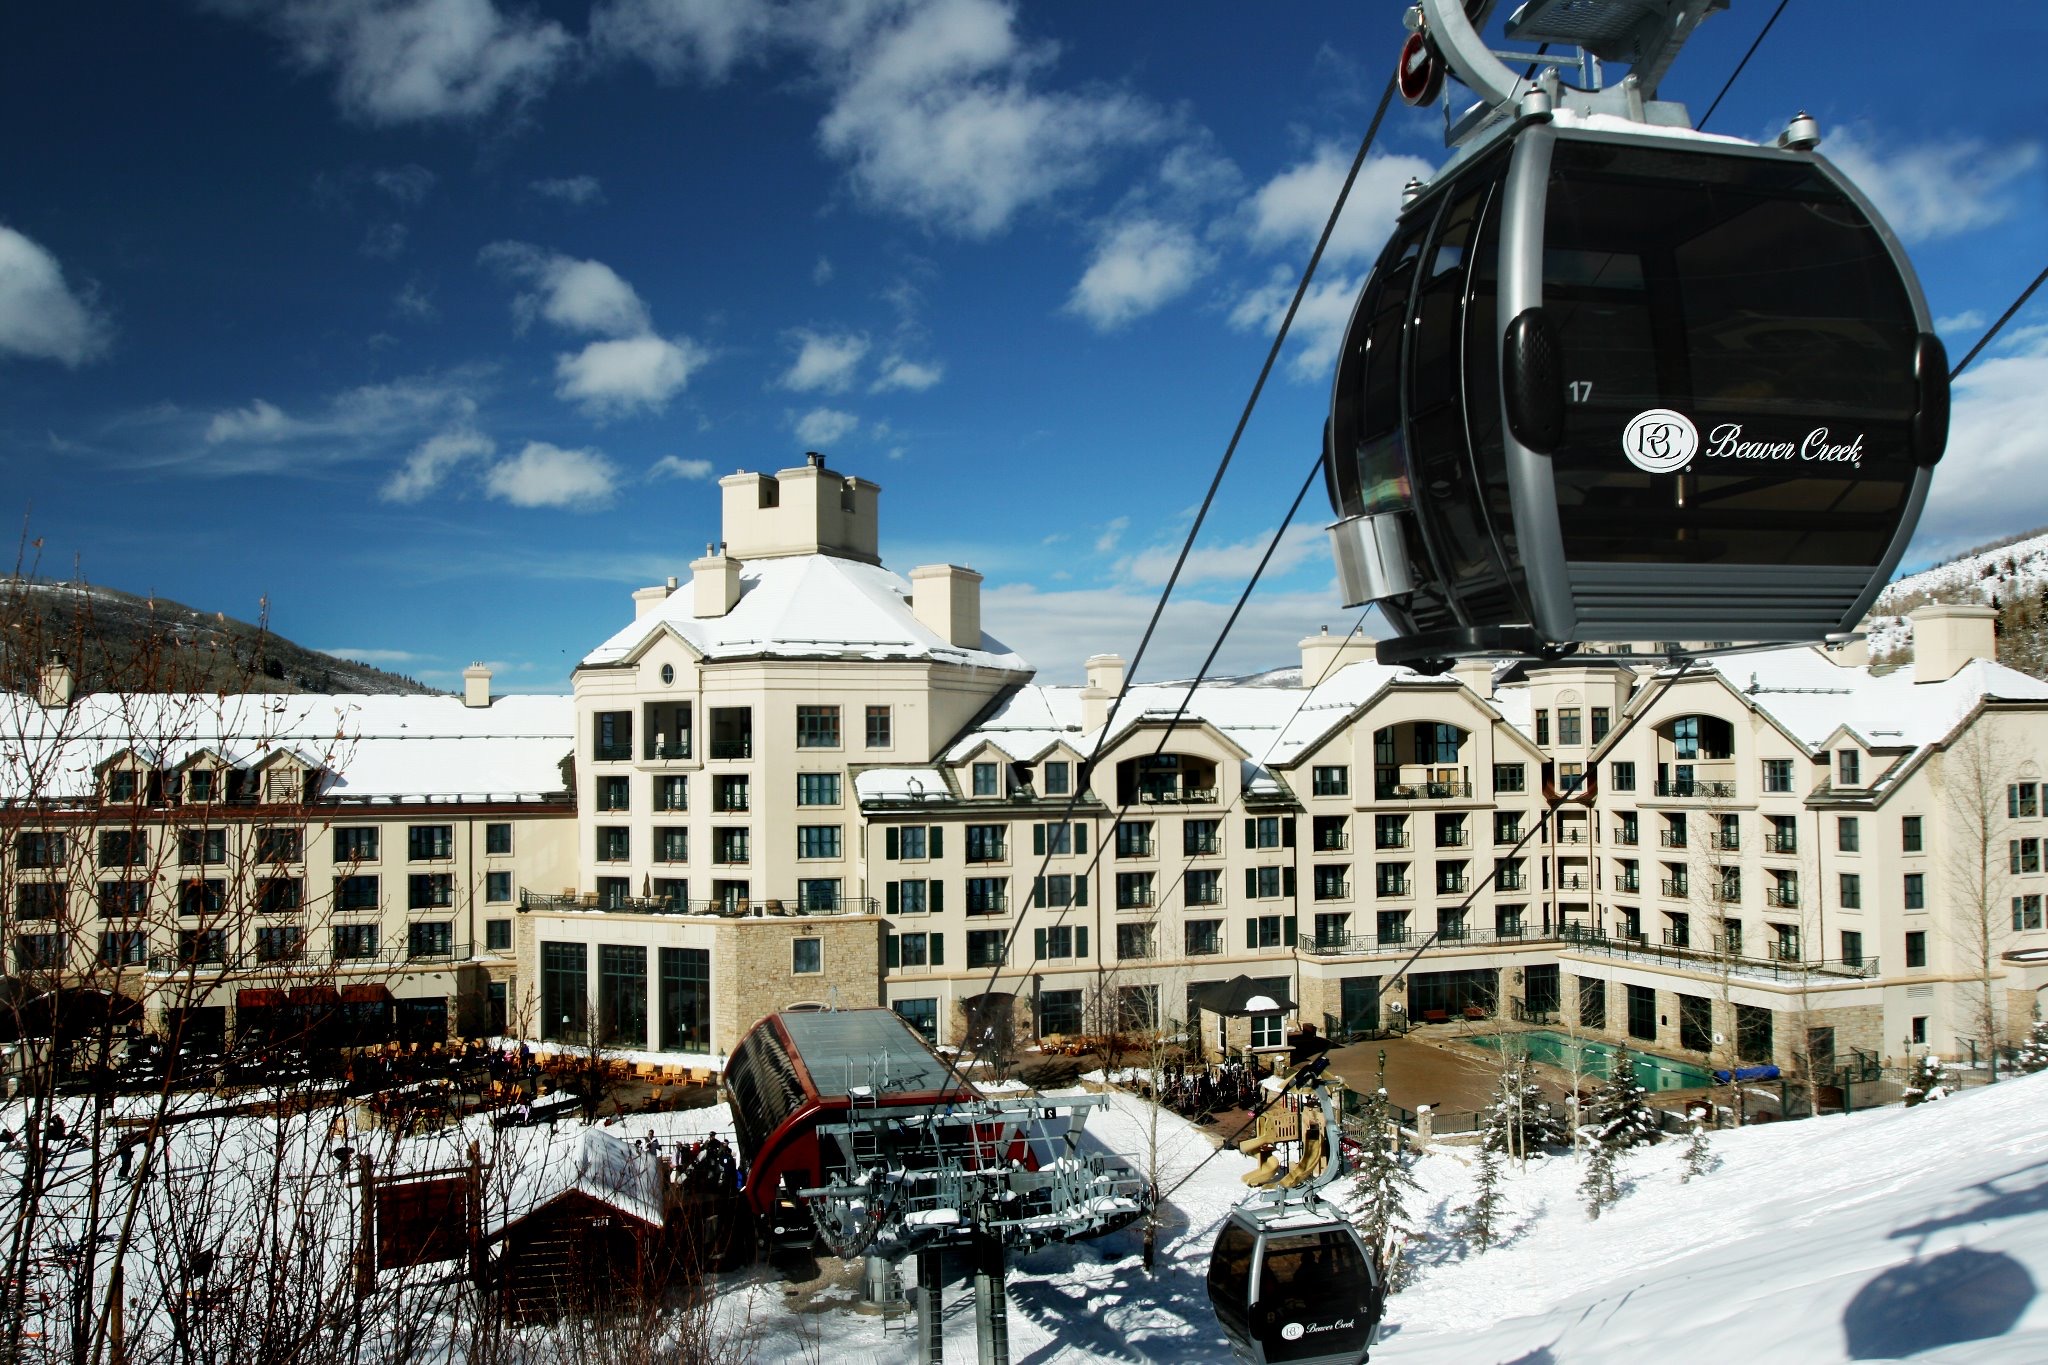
1933	1079
1482	1215
1699	1154
1382	1185
2033	1053
1520	1121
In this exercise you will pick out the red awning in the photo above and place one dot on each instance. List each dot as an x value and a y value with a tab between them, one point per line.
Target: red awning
261	997
372	993
315	995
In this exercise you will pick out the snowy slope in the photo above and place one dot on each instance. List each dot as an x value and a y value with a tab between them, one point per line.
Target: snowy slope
1897	1232
2006	572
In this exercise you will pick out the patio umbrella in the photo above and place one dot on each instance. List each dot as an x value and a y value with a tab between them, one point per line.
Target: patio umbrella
1244	995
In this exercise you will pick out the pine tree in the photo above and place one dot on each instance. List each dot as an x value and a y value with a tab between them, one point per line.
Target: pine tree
1699	1157
1520	1120
1383	1184
1482	1215
1932	1080
1598	1187
2033	1053
1618	1119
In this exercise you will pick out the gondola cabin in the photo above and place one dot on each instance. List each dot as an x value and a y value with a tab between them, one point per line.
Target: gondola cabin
1613	379
1294	1285
800	1068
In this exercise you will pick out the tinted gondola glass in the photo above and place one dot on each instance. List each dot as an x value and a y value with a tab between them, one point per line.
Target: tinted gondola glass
1617	386
1289	1290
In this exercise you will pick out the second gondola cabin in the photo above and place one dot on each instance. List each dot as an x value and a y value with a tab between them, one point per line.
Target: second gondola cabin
1616	381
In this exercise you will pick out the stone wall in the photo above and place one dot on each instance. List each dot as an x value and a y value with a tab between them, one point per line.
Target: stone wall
752	969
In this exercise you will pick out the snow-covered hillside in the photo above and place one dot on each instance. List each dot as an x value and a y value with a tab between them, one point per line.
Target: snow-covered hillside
2004	575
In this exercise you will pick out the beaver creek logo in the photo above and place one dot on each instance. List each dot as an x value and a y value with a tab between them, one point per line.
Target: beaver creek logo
1660	441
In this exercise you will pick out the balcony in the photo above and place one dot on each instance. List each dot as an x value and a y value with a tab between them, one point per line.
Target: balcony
737	908
1626	835
1134	898
1774	967
1387	839
1507	834
1394	886
1204	947
732	748
1422	791
1133	848
1511	881
1201	847
1677	886
1333	891
1728	893
1782	896
1687	789
1571	836
1782	843
1454	838
1453	886
1331	841
1178	796
611	753
1574	882
1405	941
1726	843
1202	895
988	905
1672	838
1630	882
314	959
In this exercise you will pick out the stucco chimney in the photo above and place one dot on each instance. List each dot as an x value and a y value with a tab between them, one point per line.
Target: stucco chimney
946	599
715	579
1476	674
1105	673
54	682
476	685
1322	654
647	599
1948	635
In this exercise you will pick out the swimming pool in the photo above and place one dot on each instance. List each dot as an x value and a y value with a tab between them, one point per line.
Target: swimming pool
1653	1073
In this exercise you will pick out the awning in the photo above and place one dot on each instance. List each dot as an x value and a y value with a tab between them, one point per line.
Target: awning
315	995
369	993
1243	995
258	998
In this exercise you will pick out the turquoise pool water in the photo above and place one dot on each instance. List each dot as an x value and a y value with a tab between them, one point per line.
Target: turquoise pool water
1653	1073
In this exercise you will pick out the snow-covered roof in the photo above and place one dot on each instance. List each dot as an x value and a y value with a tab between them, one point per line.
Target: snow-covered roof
1273	726
806	607
614	1171
901	784
392	747
1812	697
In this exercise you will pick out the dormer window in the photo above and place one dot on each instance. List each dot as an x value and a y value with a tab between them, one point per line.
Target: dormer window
199	785
1058	778
985	780
1849	767
122	784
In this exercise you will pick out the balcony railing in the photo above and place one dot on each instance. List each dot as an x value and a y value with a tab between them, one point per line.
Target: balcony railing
1453	838
1782	843
1676	886
988	905
1728	893
1331	841
739	908
1194	848
1395	887
1184	796
1205	947
1626	835
1788	967
1574	883
1452	886
1507	834
1348	945
1672	838
1333	891
309	966
611	753
732	748
1134	898
1133	848
1784	897
1727	843
1571	836
1387	839
733	803
1629	882
1687	789
1422	791
1511	881
660	749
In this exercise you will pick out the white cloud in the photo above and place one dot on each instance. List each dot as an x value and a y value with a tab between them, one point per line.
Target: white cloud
1989	483
1969	320
404	61
260	421
825	361
432	462
610	377
41	317
676	467
408	184
544	475
377	657
821	273
414	303
574	190
1112	532
1226	563
1319	323
899	373
825	426
703	39
384	241
1290	209
575	295
1936	189
1138	267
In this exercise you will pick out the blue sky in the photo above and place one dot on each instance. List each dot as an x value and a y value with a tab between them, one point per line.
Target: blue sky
433	321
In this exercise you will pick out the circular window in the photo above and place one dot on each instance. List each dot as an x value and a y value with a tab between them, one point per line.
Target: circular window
668	673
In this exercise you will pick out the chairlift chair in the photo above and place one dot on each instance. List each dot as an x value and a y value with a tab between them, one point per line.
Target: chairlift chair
1614	379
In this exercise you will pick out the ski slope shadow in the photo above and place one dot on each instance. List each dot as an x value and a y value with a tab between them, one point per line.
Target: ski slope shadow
1996	1201
1960	1295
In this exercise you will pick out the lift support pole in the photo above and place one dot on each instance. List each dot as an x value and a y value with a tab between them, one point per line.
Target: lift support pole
991	1302
931	1342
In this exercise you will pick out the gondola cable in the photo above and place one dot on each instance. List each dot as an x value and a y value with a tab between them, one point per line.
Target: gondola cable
1729	84
1209	497
1999	325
